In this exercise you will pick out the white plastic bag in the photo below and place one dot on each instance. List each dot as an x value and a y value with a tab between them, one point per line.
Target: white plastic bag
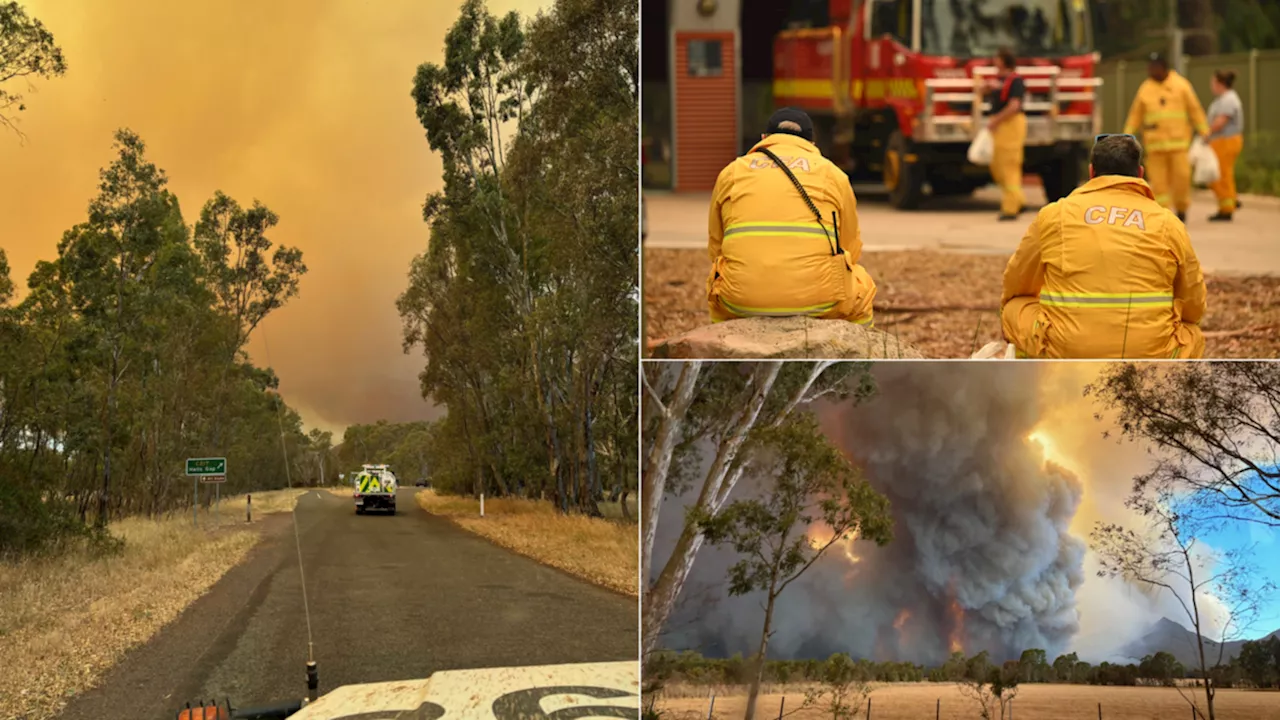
1204	163
996	351
983	148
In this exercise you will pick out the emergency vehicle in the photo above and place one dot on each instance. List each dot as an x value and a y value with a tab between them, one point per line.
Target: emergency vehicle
374	488
897	89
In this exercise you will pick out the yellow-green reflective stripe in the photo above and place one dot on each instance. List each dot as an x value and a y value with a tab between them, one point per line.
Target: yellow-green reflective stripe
1105	300
776	312
1165	115
868	321
774	229
1166	145
1163	199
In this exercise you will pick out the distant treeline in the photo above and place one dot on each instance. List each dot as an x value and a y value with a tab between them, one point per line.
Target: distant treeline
127	356
1257	666
424	451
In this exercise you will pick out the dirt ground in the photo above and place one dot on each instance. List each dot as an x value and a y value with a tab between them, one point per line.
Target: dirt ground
920	701
946	304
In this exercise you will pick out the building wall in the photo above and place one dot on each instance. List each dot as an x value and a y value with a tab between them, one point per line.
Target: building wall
684	16
705	111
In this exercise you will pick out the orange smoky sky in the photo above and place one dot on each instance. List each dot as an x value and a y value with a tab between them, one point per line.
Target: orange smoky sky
301	104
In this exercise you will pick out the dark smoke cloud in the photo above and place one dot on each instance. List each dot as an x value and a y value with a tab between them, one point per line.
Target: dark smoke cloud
302	104
982	519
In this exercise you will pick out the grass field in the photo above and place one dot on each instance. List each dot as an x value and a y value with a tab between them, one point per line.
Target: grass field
919	701
65	620
601	551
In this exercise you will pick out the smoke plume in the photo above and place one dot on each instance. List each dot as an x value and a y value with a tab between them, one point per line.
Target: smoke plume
303	105
995	472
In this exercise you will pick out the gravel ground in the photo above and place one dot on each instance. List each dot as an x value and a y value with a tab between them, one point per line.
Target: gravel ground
945	304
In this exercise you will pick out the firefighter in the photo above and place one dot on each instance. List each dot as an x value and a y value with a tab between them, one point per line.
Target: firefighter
1226	137
1168	113
1106	272
783	232
1008	125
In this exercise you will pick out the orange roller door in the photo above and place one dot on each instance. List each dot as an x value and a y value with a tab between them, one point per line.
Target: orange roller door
706	108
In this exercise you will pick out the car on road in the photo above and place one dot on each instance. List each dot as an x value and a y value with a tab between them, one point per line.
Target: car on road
374	488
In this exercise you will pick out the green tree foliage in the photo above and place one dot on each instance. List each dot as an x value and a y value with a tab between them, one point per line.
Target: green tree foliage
1260	662
807	481
27	50
1162	667
114	366
411	449
991	688
1129	28
524	302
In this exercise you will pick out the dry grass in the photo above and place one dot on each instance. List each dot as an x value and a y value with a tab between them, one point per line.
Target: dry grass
65	620
675	297
604	552
916	701
342	492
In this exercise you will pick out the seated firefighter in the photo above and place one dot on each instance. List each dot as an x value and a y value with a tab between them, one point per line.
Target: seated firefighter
783	232
1105	272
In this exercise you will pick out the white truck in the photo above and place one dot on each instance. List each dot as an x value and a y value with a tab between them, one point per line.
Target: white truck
374	488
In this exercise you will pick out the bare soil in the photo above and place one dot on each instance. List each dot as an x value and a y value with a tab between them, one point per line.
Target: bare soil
946	304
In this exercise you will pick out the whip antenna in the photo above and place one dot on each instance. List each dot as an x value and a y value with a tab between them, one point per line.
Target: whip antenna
312	680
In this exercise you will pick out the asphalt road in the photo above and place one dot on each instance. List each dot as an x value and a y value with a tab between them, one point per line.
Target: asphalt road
391	598
1247	245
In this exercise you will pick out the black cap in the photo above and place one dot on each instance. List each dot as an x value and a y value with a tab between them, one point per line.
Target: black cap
1158	58
795	115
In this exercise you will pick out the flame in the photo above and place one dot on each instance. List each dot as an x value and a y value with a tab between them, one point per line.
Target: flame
902	619
820	536
1052	453
957	625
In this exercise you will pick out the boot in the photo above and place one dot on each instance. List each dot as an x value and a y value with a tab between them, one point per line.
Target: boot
1220	217
1183	217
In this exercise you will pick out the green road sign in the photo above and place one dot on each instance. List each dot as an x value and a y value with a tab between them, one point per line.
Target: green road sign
206	466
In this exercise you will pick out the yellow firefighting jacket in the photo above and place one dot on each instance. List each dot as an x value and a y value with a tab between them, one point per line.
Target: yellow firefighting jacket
1115	273
1166	113
769	254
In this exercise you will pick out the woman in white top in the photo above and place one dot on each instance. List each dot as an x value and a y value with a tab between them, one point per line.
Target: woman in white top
1226	137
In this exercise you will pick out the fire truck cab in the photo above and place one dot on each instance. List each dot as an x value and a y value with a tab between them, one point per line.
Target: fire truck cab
897	89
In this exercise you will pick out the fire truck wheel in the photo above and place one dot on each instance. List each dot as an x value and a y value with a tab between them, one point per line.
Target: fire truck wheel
903	179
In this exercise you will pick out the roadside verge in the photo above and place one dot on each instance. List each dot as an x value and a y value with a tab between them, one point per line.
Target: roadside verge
67	619
601	551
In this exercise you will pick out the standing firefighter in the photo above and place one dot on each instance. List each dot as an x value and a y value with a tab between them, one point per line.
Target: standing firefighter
1168	113
1008	125
783	232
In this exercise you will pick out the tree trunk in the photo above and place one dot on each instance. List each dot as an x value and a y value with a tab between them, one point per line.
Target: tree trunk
103	500
593	474
1198	18
756	681
661	598
658	462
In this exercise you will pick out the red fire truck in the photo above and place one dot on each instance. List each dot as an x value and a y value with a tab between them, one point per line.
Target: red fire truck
896	89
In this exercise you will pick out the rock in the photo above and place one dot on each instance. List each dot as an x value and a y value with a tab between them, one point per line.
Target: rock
779	338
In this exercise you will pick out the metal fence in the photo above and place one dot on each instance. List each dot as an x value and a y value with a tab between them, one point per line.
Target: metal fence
1255	71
